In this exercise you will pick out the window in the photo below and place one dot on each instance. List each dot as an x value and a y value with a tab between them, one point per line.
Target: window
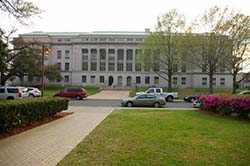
214	81
129	67
38	79
84	79
204	81
102	66
175	80
59	66
59	54
111	66
111	51
158	90
93	66
156	80
120	53
84	66
175	68
66	78
85	51
222	81
93	51
102	54
67	52
2	90
120	67
58	79
66	66
101	79
137	67
183	81
204	68
183	68
129	54
12	90
222	69
147	80
138	80
92	79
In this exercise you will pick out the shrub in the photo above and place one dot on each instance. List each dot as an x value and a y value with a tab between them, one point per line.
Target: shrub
16	113
226	105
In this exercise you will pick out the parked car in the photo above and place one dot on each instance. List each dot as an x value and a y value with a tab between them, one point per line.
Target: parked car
10	93
191	98
196	104
34	92
144	100
77	93
247	92
169	96
23	91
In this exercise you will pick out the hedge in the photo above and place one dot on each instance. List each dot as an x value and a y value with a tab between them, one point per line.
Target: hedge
15	113
226	105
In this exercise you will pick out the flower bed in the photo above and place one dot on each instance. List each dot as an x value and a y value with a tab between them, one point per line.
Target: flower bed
239	106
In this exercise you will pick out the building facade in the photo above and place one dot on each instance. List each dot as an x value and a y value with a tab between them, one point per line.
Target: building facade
109	59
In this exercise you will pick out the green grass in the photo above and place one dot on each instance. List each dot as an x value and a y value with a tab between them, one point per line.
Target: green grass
190	91
162	137
50	91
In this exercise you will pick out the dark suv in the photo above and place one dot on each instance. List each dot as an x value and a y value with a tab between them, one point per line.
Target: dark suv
77	93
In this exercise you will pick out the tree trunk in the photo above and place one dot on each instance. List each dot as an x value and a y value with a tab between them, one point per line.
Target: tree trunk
234	83
170	82
2	79
210	90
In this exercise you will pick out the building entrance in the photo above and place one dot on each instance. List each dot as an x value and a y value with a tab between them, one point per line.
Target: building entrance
111	80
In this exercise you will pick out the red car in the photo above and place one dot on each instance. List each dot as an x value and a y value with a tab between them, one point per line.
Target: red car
77	93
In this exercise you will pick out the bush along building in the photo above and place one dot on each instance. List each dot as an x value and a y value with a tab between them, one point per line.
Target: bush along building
110	59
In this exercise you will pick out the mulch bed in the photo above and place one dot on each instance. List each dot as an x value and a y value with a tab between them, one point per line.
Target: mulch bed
221	116
35	124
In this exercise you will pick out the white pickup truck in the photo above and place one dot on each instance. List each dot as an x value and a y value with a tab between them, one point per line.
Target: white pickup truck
169	96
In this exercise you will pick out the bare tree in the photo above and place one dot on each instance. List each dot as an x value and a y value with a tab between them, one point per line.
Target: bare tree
162	48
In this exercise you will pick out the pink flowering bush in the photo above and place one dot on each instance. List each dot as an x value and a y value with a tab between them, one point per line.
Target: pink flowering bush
226	105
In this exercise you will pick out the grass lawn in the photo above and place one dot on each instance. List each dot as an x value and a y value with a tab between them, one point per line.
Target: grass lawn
49	91
162	137
190	91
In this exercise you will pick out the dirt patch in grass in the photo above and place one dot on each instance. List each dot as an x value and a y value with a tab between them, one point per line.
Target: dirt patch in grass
221	116
35	124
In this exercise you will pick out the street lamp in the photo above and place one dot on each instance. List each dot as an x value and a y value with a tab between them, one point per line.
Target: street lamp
45	51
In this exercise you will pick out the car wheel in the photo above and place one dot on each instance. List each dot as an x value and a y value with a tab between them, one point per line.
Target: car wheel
156	105
129	104
78	98
169	99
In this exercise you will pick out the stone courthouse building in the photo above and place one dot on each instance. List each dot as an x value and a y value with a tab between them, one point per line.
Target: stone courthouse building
109	59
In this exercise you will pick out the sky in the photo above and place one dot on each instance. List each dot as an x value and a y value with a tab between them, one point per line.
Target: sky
111	15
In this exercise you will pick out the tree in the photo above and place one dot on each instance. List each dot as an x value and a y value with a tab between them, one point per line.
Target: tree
18	58
206	50
28	58
238	30
52	72
21	10
162	48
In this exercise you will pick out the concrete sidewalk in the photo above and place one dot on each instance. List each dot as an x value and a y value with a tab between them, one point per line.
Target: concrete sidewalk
48	144
110	95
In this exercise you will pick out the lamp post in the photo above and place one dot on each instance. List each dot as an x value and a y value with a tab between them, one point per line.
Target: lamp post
45	51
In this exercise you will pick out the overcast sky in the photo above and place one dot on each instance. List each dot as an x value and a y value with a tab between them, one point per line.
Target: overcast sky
112	15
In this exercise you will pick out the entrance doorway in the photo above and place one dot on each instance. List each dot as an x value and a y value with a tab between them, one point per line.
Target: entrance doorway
111	80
